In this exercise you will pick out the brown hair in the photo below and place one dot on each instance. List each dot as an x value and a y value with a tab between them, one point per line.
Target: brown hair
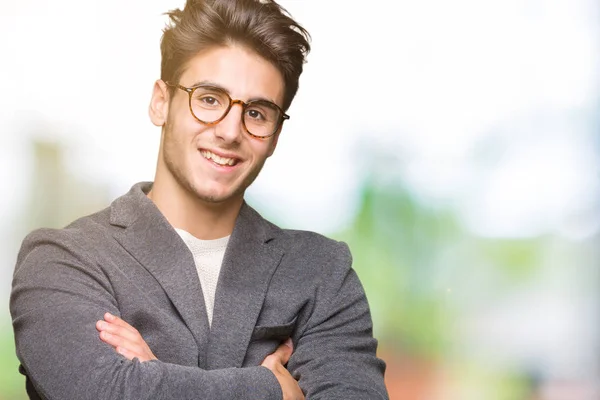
262	25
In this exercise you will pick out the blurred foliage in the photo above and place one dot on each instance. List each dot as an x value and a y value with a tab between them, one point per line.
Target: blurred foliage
12	384
409	256
393	241
473	381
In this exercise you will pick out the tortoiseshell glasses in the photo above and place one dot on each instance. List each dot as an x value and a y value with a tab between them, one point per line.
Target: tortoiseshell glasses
209	105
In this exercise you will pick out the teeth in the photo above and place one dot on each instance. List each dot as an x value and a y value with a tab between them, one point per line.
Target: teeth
217	159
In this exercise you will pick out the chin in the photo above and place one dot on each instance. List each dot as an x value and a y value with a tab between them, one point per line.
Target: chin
213	198
216	197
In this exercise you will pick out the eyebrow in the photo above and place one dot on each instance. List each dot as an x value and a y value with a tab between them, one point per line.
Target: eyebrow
220	87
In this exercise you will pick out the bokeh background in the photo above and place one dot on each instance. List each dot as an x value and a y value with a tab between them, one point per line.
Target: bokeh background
454	145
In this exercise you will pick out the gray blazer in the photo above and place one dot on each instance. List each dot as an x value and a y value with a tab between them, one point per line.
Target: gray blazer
128	260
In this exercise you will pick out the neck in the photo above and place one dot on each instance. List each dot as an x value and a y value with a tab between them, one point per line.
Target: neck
204	220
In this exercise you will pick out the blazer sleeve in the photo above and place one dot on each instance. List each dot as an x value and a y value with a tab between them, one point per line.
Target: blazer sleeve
335	355
58	294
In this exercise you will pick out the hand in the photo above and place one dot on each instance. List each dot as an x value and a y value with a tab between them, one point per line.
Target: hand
275	362
125	339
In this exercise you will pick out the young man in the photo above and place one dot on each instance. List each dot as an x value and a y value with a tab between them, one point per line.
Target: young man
194	295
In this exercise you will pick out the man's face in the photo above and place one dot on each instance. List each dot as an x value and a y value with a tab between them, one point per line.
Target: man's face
217	163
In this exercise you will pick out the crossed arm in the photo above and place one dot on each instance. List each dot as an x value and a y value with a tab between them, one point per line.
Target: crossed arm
127	341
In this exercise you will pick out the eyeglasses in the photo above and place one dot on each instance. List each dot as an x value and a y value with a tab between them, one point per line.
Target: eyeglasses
210	105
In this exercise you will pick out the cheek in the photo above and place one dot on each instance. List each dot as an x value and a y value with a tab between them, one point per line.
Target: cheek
179	113
176	145
183	129
263	150
271	149
273	144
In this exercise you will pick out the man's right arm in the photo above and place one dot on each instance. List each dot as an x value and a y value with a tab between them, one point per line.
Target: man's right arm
128	341
56	299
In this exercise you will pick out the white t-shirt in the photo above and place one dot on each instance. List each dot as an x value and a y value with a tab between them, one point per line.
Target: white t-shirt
208	257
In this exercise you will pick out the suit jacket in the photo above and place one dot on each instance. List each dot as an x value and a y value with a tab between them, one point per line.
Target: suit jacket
128	260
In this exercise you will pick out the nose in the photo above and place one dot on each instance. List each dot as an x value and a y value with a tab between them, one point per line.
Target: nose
231	128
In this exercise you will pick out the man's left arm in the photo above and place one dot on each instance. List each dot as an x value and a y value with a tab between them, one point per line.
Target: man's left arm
335	354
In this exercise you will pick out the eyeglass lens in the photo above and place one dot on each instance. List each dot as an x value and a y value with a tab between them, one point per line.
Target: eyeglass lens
260	117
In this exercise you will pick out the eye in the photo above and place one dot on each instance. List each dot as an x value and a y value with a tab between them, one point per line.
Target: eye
255	114
262	112
209	100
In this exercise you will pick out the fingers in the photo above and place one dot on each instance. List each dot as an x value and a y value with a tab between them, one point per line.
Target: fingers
275	362
124	338
284	351
130	355
108	328
281	355
288	342
113	319
123	346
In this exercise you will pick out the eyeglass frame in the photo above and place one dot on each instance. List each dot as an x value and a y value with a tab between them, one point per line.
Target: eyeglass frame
190	92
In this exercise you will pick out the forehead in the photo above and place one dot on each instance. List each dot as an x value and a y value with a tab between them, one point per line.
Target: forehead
243	73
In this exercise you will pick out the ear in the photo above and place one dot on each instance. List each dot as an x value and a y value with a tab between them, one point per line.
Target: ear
273	144
159	103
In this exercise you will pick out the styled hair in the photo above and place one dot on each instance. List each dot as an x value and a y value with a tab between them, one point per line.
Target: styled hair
263	26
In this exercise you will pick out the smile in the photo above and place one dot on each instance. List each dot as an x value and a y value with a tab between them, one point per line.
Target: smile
223	161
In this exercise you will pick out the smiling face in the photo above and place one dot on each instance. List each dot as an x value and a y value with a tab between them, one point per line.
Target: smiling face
215	163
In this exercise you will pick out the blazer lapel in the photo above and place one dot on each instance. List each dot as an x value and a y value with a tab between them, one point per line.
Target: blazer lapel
249	263
151	240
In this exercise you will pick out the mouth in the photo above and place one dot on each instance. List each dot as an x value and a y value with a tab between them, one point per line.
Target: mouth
219	160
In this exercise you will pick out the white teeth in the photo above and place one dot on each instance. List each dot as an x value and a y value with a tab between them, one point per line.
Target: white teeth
217	159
